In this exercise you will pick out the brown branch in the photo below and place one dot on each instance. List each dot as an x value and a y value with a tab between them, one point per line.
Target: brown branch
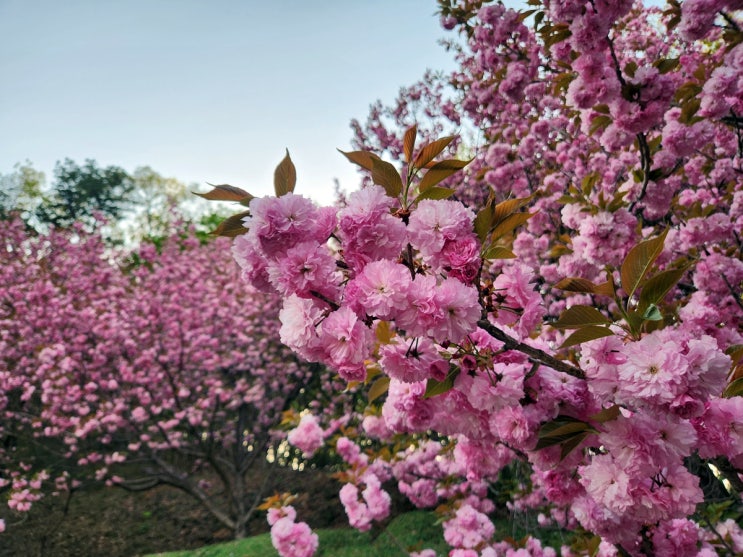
176	479
614	58
720	538
325	299
732	291
645	161
535	354
729	19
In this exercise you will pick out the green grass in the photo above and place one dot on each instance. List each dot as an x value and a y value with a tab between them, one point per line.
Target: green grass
411	531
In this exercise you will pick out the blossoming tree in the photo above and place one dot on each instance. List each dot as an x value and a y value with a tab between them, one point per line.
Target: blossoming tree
569	299
159	369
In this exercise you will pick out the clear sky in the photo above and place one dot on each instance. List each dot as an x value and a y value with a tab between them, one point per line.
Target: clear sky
205	91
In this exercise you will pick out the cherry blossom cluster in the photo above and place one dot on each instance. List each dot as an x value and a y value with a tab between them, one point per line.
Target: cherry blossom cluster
290	538
327	313
620	124
497	397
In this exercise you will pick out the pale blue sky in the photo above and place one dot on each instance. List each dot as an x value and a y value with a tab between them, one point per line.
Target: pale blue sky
205	91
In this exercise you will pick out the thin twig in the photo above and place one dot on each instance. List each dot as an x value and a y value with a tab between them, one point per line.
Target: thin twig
722	540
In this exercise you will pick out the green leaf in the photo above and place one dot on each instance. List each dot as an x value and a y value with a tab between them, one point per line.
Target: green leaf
584	334
562	81
576	284
561	430
592	545
573	443
687	91
408	142
606	288
440	171
617	201
700	73
734	388
562	426
638	262
602	108
656	288
483	222
580	316
665	65
655	174
434	387
714	512
589	181
430	151
689	110
384	332
506	208
436	192
630	68
509	224
364	159
557	37
285	176
378	388
386	175
225	192
232	226
735	352
634	320
498	252
652	313
606	415
600	122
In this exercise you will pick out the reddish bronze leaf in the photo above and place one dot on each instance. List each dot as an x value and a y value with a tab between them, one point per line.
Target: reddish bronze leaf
430	151
580	316
576	284
408	142
638	262
584	334
385	175
225	192
232	226
285	176
440	171
362	158
505	208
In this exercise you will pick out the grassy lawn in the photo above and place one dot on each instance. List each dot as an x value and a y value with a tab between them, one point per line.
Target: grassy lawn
405	533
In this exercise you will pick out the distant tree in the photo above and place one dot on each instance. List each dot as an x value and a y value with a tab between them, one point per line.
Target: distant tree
156	204
160	205
20	191
79	193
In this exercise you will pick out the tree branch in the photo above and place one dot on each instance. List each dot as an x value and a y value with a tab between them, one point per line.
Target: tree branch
535	354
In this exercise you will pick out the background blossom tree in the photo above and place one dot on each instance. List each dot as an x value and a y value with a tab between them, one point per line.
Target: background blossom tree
156	369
